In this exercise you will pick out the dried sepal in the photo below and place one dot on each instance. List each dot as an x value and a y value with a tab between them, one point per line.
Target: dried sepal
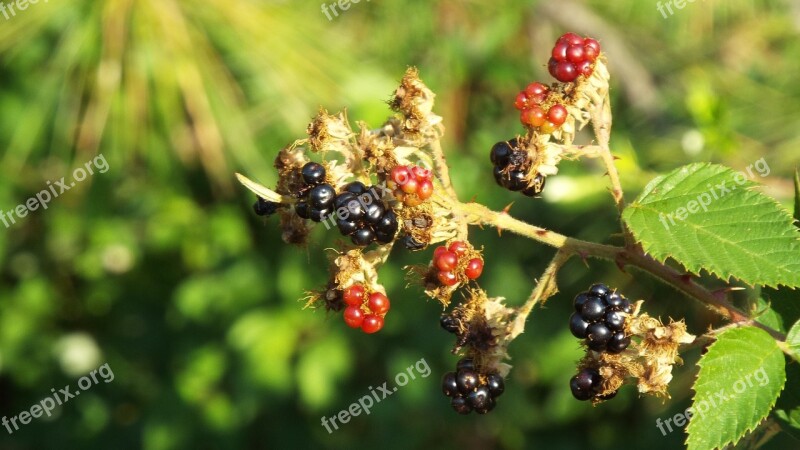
414	100
659	350
482	330
330	133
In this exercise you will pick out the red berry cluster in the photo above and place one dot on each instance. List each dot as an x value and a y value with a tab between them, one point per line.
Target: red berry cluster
573	56
411	184
446	260
364	311
534	113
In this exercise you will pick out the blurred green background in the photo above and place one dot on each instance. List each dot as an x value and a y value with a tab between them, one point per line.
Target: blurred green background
159	267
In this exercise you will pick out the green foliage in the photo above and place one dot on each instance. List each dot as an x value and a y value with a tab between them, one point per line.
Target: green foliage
193	301
739	381
705	217
793	340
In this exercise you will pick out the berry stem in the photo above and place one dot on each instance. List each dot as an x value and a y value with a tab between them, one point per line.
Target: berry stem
477	214
601	123
545	288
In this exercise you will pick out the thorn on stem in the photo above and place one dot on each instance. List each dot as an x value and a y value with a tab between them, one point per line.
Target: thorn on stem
507	208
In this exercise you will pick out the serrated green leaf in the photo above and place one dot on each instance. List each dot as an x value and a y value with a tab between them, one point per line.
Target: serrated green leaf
793	340
740	378
701	217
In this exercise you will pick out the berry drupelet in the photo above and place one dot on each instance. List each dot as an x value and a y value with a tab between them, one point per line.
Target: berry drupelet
599	318
470	390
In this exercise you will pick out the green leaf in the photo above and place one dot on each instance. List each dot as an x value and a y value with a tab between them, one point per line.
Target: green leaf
793	340
707	216
740	378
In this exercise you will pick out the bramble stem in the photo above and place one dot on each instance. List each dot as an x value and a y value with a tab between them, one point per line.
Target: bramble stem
477	214
601	123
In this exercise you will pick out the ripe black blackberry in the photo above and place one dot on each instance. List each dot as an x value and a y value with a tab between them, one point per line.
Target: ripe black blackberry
511	166
599	318
471	390
315	198
362	215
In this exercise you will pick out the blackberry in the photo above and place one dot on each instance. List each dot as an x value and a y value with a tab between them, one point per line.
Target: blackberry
511	166
599	318
469	389
265	208
313	173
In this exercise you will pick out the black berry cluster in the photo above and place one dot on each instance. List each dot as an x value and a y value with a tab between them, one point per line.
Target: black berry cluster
469	390
587	384
599	318
316	197
265	208
362	215
511	166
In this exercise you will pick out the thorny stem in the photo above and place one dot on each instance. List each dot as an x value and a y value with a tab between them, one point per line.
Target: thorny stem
601	123
477	214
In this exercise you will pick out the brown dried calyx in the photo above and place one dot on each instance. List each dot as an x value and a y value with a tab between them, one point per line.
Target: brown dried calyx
414	101
479	324
650	357
346	269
